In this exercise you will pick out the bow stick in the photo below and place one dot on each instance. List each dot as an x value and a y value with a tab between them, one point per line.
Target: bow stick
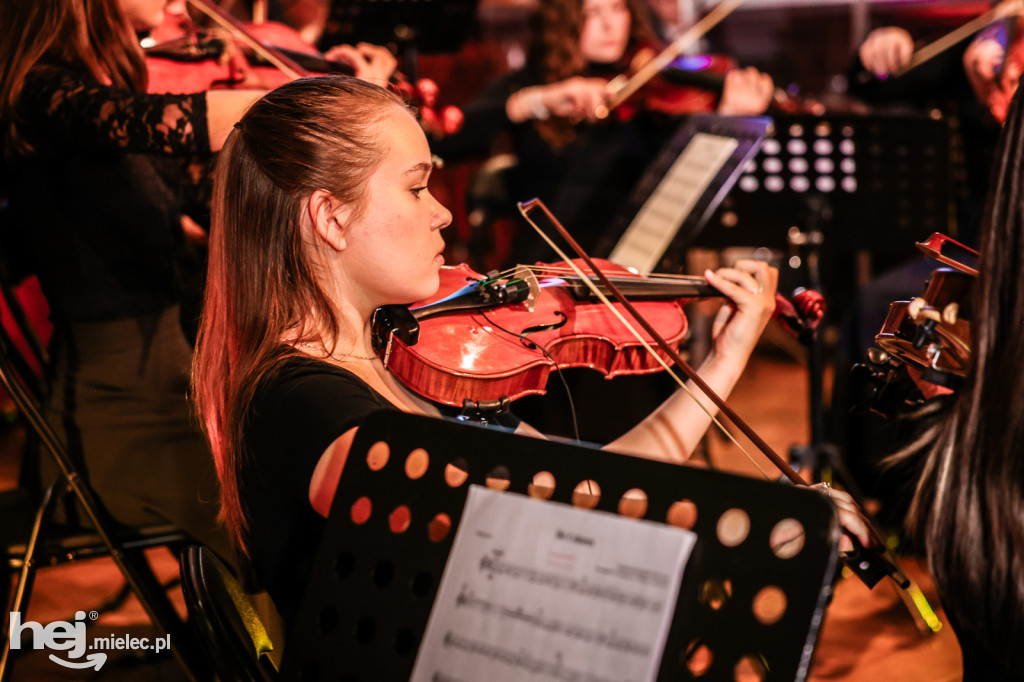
1000	11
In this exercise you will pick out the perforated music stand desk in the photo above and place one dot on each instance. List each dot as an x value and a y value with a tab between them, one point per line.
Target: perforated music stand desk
369	596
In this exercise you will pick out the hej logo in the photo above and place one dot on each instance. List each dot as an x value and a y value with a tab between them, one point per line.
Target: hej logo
70	637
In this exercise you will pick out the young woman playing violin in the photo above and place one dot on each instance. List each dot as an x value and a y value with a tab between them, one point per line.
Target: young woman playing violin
323	213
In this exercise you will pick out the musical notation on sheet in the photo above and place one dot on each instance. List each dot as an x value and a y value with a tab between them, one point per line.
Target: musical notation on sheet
543	591
656	223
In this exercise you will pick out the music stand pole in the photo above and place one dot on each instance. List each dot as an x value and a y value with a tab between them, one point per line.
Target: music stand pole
820	456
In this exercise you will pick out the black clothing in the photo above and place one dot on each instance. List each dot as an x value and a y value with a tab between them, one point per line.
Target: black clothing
298	410
103	223
296	413
97	208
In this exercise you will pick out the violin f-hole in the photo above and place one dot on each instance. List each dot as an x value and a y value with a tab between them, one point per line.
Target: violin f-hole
563	320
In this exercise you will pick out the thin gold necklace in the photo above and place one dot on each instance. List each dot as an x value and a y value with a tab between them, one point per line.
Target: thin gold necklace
320	347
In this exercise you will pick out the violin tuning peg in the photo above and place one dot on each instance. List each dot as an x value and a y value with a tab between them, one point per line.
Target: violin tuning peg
950	313
877	356
915	307
452	119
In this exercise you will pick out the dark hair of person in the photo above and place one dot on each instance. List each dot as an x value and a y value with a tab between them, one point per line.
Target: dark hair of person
262	284
554	53
92	36
968	509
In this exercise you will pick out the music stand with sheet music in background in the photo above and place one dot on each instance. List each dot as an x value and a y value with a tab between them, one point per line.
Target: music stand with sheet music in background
681	189
751	597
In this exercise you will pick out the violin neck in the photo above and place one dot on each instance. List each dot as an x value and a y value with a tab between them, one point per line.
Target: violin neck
646	289
703	78
315	63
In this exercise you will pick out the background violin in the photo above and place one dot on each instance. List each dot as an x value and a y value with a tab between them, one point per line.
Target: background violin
692	84
184	59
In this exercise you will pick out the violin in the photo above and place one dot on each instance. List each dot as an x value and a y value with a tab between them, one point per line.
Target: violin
263	56
693	84
930	334
181	58
623	86
496	338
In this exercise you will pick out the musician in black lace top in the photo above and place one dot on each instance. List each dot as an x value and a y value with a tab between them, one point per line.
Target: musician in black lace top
93	180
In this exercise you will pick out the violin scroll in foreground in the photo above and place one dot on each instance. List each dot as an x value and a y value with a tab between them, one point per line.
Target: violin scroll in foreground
924	346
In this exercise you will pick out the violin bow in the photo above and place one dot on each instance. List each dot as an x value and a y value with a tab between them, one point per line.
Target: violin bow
621	87
924	617
287	65
1001	11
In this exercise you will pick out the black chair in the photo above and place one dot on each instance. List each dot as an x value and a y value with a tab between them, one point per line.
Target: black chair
30	538
226	621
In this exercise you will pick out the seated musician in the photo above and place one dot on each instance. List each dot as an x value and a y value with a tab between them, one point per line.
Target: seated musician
584	171
322	213
966	510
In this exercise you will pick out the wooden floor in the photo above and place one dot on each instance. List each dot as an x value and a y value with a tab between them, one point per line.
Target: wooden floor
867	636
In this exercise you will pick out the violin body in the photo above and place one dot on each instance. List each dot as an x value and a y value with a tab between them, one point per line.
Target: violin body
185	61
494	353
675	91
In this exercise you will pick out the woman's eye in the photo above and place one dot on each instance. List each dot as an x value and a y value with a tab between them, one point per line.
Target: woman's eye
416	190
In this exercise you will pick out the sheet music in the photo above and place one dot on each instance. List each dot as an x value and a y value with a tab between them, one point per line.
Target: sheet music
544	591
655	225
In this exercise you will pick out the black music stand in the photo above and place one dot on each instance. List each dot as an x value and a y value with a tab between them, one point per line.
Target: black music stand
884	180
370	592
681	189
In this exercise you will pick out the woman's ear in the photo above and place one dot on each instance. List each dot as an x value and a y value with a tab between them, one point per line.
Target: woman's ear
328	216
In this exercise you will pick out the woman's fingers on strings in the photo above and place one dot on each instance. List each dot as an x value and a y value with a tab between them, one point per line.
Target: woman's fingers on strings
744	280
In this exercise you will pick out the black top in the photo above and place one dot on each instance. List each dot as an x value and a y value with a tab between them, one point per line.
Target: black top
98	207
584	183
297	412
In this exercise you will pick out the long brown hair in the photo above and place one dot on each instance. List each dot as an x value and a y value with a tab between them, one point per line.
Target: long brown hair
554	53
968	510
92	36
262	286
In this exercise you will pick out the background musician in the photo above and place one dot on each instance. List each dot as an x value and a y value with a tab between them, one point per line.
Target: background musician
966	510
582	169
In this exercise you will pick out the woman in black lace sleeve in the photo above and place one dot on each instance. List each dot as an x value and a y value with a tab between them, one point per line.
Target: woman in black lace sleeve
83	150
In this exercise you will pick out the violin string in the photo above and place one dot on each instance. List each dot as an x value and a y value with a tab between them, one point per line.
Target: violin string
597	292
656	278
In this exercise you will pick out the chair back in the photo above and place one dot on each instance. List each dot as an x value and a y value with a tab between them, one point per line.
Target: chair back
229	629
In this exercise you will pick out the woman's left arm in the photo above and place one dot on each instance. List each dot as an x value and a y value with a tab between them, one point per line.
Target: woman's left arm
673	430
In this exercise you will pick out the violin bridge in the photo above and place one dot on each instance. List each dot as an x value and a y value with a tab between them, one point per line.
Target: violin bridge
530	277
